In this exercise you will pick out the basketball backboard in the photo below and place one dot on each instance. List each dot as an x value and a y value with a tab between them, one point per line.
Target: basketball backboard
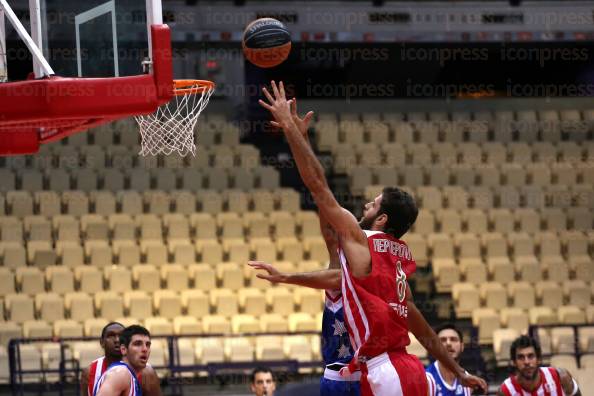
96	38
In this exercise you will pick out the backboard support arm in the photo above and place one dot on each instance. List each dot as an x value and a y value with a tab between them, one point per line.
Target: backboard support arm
44	68
154	16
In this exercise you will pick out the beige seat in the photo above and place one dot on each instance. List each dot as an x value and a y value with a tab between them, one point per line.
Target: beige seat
119	278
216	324
38	227
176	277
474	270
493	295
502	340
571	315
168	303
159	326
468	245
79	305
301	321
183	251
252	301
577	293
186	325
49	306
41	254
549	293
146	277
528	220
109	304
89	278
203	275
563	340
309	300
30	280
8	331
211	251
195	302
230	275
442	246
466	299
37	329
514	318
528	268
501	269
98	253
522	294
244	323
138	304
567	362
264	250
224	301
476	220
67	328
446	273
586	339
542	316
487	321
280	300
269	348
274	323
71	253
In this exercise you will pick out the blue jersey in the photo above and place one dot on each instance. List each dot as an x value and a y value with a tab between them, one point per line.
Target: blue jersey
336	344
135	389
438	387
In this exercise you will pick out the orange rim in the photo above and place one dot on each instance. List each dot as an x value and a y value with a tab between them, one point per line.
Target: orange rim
191	87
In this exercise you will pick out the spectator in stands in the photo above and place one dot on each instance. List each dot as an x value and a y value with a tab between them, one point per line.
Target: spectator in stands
443	382
382	301
262	382
121	378
110	343
531	378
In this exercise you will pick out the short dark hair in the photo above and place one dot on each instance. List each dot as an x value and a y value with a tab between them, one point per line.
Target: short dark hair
261	369
524	342
450	326
401	209
130	331
107	326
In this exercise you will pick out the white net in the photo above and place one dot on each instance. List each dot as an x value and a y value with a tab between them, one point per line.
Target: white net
171	127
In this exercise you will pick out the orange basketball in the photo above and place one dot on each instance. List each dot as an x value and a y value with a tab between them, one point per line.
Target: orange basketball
266	42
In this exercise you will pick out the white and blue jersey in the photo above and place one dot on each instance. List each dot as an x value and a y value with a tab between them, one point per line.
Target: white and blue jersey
135	389
438	387
336	350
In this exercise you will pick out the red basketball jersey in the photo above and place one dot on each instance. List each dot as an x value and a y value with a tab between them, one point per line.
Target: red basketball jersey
550	385
375	306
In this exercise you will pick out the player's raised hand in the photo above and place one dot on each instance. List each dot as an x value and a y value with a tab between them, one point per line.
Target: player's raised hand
278	105
273	275
302	123
474	382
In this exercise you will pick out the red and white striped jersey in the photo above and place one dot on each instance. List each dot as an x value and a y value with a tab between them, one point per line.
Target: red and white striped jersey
550	385
375	308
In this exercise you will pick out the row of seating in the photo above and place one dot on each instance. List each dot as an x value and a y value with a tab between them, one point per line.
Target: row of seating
141	179
145	277
206	324
483	197
77	203
524	295
532	157
155	227
466	176
51	307
128	252
503	220
488	320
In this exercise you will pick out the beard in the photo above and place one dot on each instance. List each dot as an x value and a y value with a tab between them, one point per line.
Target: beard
529	376
366	223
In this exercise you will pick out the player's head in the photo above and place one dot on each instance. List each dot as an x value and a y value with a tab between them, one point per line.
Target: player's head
452	339
394	211
525	354
135	345
262	382
110	340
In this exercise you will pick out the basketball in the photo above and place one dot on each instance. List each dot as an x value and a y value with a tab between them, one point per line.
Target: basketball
266	42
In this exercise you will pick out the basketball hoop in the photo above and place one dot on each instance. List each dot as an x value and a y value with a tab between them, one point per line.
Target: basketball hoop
171	127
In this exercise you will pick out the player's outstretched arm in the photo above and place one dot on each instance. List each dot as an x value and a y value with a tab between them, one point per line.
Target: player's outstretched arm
569	385
427	337
325	279
352	239
116	382
327	231
151	384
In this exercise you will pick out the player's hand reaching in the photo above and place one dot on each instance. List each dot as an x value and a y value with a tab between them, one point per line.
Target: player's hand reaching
302	123
273	275
278	105
473	382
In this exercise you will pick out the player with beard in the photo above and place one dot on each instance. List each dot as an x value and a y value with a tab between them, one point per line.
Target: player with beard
121	378
532	379
443	382
110	343
375	264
